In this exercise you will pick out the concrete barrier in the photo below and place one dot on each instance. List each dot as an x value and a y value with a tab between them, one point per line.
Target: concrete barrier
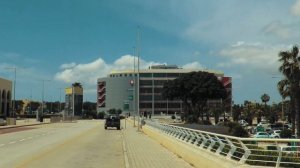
197	157
11	121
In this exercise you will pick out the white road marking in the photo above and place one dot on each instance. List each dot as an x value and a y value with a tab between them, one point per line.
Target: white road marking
43	134
12	142
2	145
22	140
29	138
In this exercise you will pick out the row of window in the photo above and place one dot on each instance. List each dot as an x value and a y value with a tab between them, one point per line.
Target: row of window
160	105
150	82
148	75
149	90
123	75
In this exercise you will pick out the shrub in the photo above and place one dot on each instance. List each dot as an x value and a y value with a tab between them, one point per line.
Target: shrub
101	115
231	125
239	131
286	133
204	122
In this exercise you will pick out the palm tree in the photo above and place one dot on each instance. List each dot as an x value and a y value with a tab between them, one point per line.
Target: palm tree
290	69
284	88
265	98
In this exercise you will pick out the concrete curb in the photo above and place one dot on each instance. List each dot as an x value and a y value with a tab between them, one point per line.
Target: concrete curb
17	126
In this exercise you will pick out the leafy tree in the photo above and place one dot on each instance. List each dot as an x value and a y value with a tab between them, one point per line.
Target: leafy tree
236	112
90	110
265	98
290	69
114	111
194	89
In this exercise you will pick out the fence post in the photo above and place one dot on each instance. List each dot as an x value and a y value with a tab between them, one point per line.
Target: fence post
246	154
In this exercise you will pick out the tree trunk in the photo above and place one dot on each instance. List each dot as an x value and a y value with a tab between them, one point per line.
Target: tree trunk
297	116
293	113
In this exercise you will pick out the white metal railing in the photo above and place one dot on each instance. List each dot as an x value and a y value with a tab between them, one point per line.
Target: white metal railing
252	151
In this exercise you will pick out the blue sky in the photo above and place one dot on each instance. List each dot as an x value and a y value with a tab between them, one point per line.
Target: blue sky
65	41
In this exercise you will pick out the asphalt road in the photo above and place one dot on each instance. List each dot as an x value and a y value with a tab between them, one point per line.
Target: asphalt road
84	144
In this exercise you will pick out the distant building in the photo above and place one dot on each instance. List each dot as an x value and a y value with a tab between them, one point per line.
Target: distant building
5	98
74	100
119	90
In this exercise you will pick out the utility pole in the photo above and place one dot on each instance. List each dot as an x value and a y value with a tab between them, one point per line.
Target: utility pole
43	93
138	76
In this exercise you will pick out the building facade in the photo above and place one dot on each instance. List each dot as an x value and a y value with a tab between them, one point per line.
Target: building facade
5	98
74	100
119	90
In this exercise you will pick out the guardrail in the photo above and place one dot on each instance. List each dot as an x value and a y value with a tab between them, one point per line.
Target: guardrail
252	151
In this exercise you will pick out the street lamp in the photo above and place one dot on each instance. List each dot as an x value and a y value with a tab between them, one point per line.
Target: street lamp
43	90
15	81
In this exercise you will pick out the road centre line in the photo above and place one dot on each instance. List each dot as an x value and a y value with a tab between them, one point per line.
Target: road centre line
12	142
22	140
2	145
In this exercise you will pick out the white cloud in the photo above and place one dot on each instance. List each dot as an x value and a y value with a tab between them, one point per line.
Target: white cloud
88	73
278	29
253	56
295	9
193	65
67	66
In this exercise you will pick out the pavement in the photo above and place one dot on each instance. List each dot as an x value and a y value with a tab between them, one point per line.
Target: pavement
26	122
140	151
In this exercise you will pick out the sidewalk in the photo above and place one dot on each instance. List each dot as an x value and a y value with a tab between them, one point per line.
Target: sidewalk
26	122
143	152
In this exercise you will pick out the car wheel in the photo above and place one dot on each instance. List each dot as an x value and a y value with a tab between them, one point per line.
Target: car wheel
105	127
118	128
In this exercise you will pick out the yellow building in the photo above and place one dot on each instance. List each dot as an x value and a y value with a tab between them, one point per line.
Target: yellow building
74	100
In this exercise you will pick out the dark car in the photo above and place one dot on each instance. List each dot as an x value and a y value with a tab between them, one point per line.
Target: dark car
112	121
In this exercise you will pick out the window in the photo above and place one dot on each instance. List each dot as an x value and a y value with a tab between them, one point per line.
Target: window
145	90
159	75
146	105
159	82
146	97
173	75
146	82
146	75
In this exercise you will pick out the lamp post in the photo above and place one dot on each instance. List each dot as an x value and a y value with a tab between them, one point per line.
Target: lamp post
43	93
15	81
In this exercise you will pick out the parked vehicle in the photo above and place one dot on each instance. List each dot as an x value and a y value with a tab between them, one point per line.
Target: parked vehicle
261	135
276	134
264	124
243	123
112	121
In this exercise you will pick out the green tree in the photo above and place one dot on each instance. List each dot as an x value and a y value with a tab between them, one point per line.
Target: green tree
264	98
114	111
236	112
284	88
194	89
89	110
290	69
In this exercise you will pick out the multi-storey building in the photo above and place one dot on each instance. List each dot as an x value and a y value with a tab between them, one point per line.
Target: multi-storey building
5	98
120	89
74	100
